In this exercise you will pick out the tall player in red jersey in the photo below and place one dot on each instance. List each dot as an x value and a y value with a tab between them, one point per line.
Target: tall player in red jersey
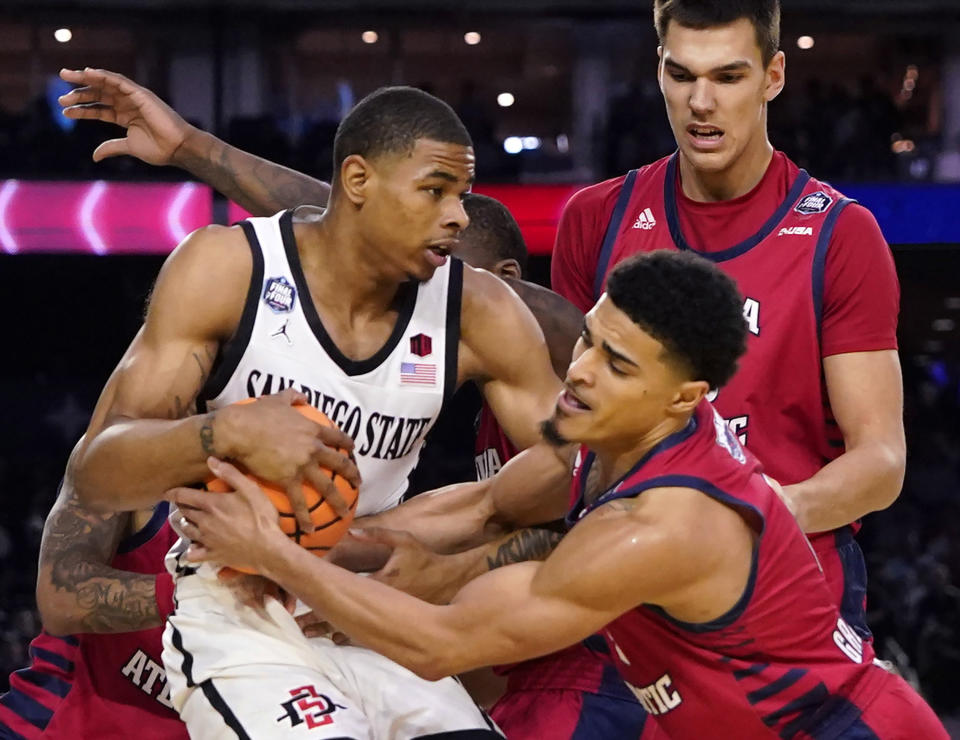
103	595
818	398
680	551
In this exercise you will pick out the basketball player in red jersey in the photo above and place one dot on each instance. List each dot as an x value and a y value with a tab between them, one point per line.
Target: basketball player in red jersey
818	397
103	596
681	553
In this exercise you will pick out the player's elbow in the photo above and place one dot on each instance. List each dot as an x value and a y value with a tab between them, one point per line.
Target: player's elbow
56	611
891	462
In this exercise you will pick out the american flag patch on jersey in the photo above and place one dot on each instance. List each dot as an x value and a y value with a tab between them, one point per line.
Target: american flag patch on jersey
418	373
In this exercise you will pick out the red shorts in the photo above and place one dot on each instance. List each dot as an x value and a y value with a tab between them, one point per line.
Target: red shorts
899	713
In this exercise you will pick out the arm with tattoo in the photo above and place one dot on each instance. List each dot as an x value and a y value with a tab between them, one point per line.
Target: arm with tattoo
157	134
77	590
259	186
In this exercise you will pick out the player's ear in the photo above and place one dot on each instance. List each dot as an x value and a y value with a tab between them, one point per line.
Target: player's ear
508	268
688	395
355	178
776	76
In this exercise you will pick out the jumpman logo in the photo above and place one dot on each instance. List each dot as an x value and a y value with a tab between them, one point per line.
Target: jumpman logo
282	331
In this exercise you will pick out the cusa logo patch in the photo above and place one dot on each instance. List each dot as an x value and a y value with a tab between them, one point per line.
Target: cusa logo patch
816	202
279	294
796	231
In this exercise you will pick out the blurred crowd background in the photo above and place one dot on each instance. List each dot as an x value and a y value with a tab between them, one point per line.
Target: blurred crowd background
552	93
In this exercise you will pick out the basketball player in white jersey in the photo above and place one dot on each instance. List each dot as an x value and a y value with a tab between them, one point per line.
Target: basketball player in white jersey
361	312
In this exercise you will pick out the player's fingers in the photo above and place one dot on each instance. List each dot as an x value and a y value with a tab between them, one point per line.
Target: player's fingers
337	462
229	474
299	505
93	111
291	396
111	80
197	553
188	498
111	148
74	76
325	486
334	437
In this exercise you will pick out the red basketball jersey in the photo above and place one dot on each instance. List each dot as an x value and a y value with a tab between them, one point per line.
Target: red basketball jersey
781	661
492	447
101	686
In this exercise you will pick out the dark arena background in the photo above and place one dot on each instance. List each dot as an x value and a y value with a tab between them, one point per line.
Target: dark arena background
556	95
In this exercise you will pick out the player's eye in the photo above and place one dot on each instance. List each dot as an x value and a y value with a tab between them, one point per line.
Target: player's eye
680	76
585	338
729	79
614	369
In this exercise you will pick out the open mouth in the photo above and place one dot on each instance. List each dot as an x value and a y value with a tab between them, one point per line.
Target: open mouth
704	136
570	402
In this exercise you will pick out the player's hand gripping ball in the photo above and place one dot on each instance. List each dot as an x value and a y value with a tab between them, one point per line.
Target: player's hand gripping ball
328	526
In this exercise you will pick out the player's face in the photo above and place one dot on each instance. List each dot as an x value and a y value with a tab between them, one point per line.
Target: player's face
413	214
619	389
716	89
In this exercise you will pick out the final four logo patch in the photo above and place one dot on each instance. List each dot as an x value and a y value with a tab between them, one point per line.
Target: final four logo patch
816	202
279	295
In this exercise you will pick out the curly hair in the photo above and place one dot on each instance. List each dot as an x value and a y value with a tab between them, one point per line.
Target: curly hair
391	120
687	304
763	14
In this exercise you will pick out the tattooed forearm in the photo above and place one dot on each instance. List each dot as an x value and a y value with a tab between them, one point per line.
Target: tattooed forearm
78	590
261	187
527	544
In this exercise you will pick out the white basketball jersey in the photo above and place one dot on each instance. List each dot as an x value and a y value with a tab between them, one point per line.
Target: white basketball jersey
386	403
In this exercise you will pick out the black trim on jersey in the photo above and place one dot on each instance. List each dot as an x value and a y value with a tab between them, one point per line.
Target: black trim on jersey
69	639
223	709
673	218
230	354
148	531
187	666
452	339
773	688
610	236
404	302
820	262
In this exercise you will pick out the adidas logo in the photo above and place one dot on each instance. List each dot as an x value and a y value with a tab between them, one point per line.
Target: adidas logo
645	220
796	231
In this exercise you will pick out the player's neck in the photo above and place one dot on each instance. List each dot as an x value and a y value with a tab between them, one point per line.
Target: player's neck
738	179
617	459
336	264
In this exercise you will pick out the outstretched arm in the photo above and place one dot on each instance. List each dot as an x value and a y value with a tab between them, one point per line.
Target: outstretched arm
77	590
662	549
157	135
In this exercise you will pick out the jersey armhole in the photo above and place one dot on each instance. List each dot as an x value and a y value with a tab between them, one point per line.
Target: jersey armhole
452	338
230	354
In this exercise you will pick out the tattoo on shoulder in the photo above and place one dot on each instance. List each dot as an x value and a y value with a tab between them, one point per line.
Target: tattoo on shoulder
527	544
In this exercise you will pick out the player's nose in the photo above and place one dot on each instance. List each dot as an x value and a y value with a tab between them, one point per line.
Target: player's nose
702	99
455	215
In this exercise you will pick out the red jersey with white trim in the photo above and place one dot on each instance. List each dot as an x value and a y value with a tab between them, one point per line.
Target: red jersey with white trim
817	279
781	662
493	447
101	686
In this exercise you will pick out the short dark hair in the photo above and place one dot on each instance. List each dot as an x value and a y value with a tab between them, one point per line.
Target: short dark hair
763	14
687	304
493	229
391	120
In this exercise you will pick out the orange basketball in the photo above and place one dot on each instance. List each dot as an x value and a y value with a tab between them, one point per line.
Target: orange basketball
328	526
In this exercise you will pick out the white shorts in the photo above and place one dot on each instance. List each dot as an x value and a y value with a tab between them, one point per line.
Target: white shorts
239	672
